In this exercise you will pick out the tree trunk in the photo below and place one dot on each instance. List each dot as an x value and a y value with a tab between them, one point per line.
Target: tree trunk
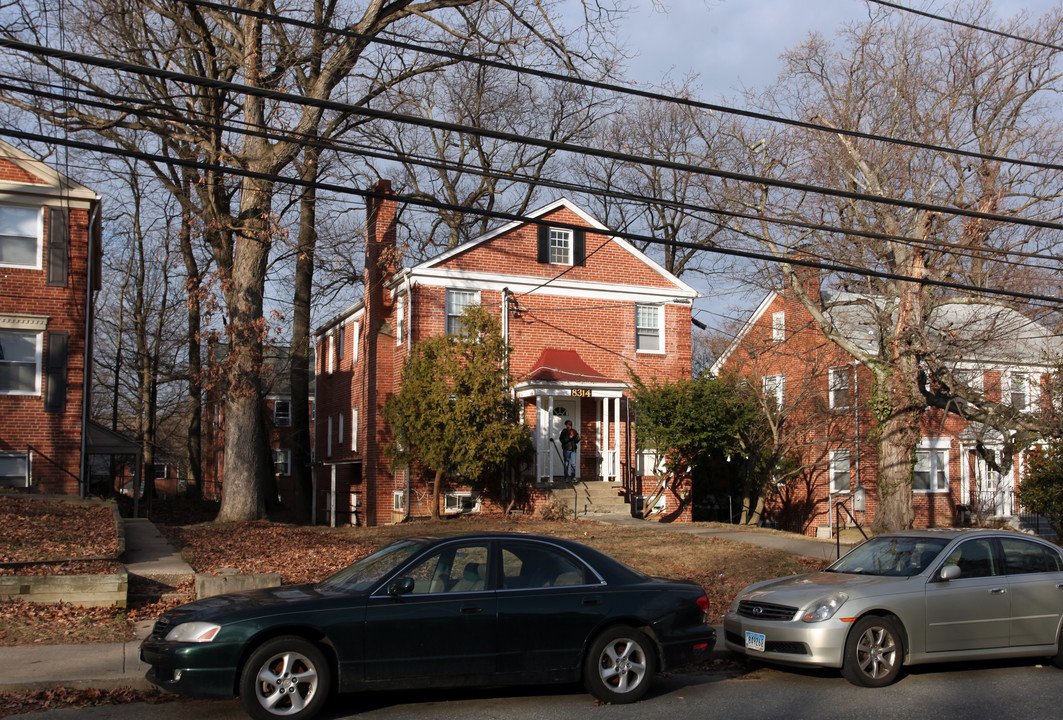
437	485
193	288
899	388
302	486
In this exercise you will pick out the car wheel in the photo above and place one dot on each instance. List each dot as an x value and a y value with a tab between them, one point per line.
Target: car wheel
284	677
874	652
620	665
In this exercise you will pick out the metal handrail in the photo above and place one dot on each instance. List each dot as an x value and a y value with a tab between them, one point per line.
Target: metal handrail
838	524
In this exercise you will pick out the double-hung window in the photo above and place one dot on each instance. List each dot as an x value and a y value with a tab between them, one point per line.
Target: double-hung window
839	387
21	232
457	301
282	413
778	326
839	471
560	246
1022	391
648	328
775	389
931	469
282	461
20	362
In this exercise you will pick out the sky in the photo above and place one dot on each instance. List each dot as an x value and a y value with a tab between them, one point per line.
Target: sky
735	44
731	45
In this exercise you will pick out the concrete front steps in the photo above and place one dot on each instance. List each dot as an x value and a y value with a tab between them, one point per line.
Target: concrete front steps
591	497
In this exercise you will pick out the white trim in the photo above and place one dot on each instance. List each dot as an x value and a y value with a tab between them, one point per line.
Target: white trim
595	226
38	361
39	223
354	429
30	323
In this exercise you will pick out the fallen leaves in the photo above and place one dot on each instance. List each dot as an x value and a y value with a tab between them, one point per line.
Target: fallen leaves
34	700
26	623
41	536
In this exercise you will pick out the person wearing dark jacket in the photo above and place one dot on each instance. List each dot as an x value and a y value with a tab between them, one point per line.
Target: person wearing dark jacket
569	450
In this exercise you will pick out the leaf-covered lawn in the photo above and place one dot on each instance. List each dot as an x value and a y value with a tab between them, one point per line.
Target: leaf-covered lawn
40	536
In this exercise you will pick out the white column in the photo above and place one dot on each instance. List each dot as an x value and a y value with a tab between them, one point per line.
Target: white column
607	454
539	438
332	500
550	435
616	438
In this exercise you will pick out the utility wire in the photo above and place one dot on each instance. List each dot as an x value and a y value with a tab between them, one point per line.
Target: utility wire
961	23
625	90
437	164
511	217
515	137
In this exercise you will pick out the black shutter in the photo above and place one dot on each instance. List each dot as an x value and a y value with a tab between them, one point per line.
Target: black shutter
544	244
55	372
58	246
579	247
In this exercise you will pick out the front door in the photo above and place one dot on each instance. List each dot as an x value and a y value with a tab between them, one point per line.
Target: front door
565	408
995	491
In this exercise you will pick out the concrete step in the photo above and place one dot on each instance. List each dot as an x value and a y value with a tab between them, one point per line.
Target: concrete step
591	497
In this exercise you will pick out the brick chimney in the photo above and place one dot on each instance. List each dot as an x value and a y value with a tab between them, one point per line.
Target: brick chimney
381	254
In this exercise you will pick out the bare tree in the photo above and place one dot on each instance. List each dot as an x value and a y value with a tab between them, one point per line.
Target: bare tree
249	55
941	86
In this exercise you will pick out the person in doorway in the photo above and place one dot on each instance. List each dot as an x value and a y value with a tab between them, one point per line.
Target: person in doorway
569	450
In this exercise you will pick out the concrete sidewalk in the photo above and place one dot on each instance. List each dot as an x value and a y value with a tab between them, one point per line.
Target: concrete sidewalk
104	666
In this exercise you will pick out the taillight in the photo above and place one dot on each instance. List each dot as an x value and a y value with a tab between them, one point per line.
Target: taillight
703	603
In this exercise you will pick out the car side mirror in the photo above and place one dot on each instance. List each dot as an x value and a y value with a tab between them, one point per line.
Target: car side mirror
402	586
950	572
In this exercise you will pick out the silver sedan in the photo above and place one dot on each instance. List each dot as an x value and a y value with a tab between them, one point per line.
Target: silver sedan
909	598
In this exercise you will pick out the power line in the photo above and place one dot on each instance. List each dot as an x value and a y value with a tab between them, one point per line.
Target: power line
515	137
625	90
511	217
351	147
961	23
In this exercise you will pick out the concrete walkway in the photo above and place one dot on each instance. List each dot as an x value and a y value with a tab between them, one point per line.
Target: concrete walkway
104	666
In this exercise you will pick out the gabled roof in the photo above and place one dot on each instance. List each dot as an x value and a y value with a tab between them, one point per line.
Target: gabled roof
54	184
680	288
1003	335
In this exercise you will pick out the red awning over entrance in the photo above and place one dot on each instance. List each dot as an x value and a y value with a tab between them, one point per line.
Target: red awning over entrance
564	366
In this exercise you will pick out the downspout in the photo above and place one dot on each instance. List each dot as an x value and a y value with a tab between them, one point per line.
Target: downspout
856	426
86	371
409	345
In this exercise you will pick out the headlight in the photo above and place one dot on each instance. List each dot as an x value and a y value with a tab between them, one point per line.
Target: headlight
824	608
193	632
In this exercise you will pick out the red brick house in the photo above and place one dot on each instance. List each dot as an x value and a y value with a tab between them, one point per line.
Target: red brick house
823	396
578	306
49	272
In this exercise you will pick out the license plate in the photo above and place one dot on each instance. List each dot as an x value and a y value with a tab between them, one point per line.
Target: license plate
754	641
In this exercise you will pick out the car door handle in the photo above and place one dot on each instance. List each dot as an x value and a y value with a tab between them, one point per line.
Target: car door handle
997	591
1059	586
591	601
471	610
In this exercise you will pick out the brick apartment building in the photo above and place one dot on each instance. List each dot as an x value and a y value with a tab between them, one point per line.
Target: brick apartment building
277	416
824	396
579	308
49	272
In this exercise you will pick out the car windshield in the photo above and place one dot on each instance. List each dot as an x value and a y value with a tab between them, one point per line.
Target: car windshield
892	556
364	574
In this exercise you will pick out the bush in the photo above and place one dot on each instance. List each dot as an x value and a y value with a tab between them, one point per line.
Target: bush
1041	490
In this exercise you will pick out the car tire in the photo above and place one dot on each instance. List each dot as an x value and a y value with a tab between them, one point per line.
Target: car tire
1057	659
874	652
620	665
285	677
